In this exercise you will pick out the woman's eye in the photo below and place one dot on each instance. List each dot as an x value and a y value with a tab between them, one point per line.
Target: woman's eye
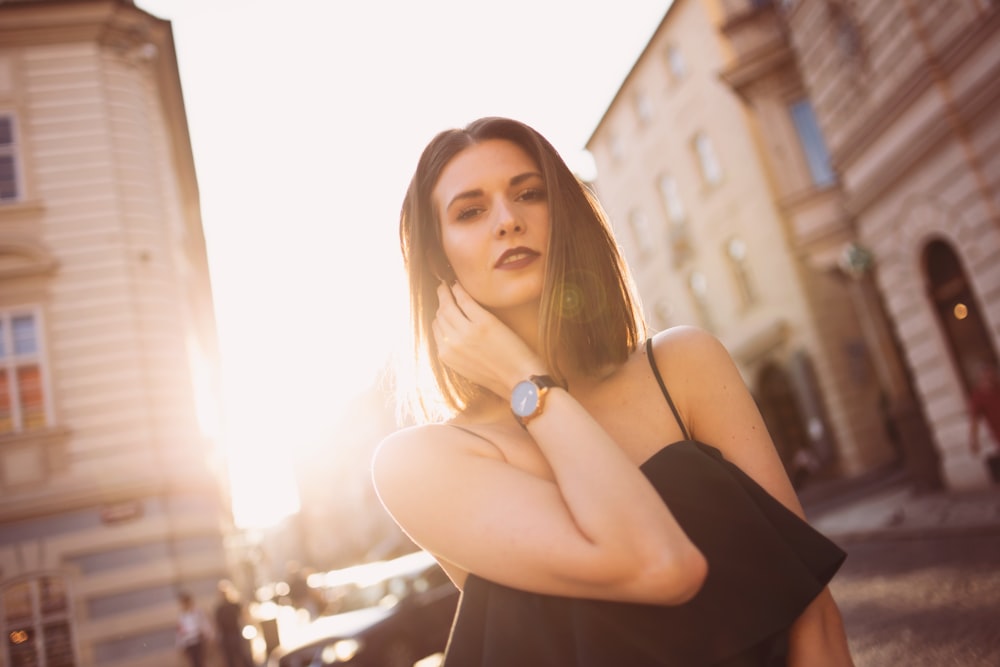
468	213
531	194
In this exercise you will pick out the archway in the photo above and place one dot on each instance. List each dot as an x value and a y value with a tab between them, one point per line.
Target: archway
958	311
781	412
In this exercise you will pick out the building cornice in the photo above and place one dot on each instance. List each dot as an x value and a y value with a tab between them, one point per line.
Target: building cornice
752	67
34	23
24	257
110	490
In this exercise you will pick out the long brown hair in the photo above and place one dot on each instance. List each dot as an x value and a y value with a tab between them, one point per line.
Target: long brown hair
589	314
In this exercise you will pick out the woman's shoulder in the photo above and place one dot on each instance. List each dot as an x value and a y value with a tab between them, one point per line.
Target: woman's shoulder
416	445
403	454
695	365
688	347
412	441
412	459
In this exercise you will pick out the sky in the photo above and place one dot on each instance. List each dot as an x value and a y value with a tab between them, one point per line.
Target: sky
306	119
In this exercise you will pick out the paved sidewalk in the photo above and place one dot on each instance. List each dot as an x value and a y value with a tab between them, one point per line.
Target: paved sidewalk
887	507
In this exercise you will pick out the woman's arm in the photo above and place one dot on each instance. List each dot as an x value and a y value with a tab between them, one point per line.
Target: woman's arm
817	638
719	410
594	528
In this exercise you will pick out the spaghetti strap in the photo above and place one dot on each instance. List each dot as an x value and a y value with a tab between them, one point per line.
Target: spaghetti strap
663	387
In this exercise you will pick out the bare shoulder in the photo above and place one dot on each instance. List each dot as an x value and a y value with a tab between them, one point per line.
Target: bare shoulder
718	408
701	376
423	451
690	353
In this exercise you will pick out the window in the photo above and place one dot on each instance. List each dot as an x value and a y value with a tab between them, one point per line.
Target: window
680	238
22	391
698	289
811	138
35	623
711	170
643	108
736	254
641	233
617	147
9	189
676	63
671	198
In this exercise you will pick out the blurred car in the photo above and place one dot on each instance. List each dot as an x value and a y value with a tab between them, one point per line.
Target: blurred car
410	620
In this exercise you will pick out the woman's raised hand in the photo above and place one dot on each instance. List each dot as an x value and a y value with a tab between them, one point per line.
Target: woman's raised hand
476	344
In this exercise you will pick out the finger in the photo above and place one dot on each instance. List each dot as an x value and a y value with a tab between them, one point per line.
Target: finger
465	302
448	307
446	302
450	319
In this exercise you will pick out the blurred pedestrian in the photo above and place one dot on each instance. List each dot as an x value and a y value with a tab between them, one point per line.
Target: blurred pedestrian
984	402
300	593
589	516
229	621
194	632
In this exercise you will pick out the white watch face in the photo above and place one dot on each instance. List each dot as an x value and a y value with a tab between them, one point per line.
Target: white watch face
524	398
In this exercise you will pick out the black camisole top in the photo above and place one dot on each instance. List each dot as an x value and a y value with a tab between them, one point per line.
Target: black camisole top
765	565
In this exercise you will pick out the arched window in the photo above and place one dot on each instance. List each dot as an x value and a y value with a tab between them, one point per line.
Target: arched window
736	256
642	234
643	108
670	196
697	284
36	623
676	63
708	161
957	310
780	409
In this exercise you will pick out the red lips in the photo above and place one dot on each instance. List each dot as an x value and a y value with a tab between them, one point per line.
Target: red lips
516	258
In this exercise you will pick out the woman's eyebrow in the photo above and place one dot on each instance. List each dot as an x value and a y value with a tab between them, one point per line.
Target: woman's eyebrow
521	178
472	194
468	194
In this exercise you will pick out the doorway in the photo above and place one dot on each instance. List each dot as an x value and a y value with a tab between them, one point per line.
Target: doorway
958	311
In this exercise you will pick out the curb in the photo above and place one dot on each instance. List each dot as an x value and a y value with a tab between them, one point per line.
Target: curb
911	533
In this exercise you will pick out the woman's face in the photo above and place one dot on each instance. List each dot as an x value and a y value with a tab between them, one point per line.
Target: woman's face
494	216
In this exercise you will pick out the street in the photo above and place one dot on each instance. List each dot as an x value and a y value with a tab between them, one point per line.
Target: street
922	602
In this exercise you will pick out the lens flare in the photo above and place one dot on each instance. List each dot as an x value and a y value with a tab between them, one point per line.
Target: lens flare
583	297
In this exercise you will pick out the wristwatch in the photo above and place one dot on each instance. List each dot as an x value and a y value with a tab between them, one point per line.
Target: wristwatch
528	398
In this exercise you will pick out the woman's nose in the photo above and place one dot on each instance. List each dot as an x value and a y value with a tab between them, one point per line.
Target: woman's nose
507	221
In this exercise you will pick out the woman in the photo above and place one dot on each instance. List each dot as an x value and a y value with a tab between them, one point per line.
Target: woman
549	496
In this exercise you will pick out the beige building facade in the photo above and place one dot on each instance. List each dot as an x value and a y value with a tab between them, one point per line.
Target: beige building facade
907	97
697	212
110	505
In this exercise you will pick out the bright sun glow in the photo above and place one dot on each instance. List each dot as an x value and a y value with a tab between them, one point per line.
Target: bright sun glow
304	149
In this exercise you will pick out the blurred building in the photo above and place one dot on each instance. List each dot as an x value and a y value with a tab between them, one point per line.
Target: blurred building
342	521
107	342
704	223
905	95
